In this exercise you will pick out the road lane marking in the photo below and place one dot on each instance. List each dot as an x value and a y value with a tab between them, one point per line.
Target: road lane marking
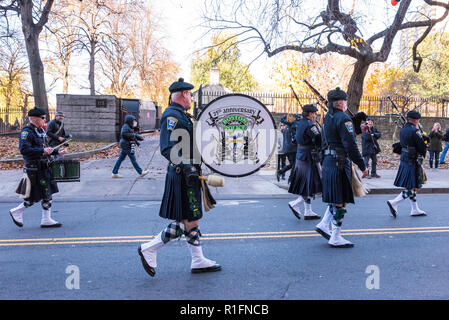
218	236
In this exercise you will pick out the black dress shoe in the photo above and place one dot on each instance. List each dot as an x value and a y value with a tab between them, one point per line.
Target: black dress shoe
150	270
324	234
392	211
278	176
312	217
15	222
294	212
56	225
214	268
348	245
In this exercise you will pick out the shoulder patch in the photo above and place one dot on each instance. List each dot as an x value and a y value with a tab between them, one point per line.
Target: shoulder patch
348	125
24	135
171	123
315	130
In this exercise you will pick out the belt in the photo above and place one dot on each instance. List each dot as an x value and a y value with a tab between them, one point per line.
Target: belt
330	152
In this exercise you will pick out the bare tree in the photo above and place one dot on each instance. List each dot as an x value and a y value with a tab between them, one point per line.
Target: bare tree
34	15
154	67
320	27
60	37
92	20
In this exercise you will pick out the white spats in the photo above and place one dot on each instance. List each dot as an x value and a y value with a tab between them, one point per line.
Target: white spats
149	250
295	203
337	241
308	212
323	227
416	211
17	214
47	220
393	204
198	259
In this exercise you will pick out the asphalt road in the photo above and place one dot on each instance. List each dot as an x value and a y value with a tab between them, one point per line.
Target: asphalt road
265	252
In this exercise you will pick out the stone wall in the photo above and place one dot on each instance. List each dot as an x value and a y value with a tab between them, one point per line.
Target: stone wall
387	126
86	120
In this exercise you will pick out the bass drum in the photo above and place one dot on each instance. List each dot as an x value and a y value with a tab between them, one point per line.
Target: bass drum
65	171
235	134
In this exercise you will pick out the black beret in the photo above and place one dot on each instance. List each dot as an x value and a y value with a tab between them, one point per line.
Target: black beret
414	114
180	85
336	95
309	108
36	112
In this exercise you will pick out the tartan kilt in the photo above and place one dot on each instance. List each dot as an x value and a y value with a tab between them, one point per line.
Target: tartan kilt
42	188
306	179
337	186
180	202
409	176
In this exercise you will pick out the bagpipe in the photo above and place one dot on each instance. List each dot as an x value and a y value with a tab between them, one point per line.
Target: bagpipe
401	122
357	118
358	187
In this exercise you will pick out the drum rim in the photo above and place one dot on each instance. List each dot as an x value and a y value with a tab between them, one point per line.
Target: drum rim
274	126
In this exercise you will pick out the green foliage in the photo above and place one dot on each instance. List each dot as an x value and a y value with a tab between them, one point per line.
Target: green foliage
225	55
433	78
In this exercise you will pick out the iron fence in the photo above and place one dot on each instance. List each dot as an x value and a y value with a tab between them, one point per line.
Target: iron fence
13	119
371	105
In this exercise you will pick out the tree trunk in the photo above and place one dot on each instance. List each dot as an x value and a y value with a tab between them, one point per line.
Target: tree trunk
31	33
65	78
355	87
92	68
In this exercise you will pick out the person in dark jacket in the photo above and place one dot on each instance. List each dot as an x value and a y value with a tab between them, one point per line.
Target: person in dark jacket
33	145
280	149
370	146
56	132
128	142
289	146
436	136
410	175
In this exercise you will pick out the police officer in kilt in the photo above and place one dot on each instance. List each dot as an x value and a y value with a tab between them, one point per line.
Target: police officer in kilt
34	147
340	148
306	175
181	201
410	174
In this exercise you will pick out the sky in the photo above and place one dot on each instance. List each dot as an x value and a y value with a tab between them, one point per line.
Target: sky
180	21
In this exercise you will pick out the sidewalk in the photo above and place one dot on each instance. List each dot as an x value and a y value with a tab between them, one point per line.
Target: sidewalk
97	185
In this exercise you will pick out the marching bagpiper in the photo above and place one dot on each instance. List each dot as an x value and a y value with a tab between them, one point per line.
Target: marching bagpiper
182	195
306	175
410	174
340	148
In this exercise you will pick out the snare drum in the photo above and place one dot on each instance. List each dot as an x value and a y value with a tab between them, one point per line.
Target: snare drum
65	171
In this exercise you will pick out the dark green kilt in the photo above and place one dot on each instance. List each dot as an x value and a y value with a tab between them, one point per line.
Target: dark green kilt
180	202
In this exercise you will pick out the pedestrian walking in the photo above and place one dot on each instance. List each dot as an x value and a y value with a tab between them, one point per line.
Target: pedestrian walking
129	140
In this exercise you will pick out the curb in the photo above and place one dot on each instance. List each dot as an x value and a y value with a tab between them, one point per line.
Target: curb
68	156
394	190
